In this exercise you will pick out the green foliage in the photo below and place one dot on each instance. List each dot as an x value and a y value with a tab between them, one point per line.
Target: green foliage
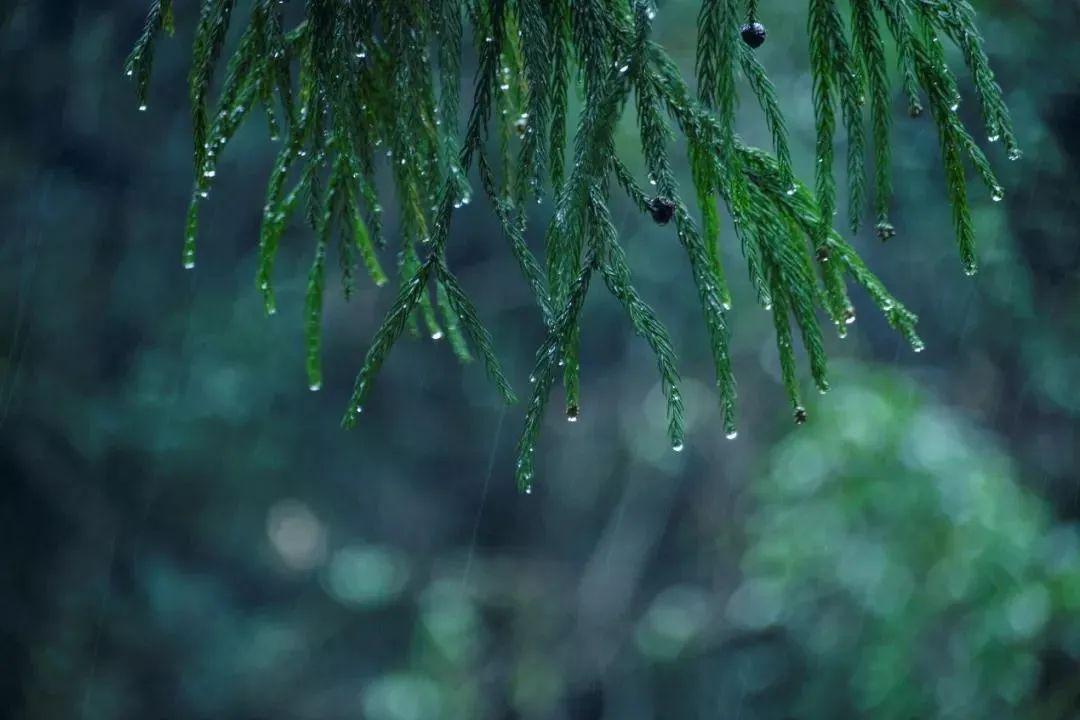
892	547
352	80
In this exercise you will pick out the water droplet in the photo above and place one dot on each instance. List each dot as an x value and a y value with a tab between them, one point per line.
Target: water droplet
800	415
1015	154
677	446
849	316
731	434
917	345
315	387
572	413
209	173
437	335
997	194
142	108
528	489
791	190
993	138
189	264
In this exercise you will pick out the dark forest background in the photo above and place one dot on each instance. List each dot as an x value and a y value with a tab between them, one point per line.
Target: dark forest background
185	531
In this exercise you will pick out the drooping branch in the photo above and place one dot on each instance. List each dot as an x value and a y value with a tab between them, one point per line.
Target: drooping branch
356	83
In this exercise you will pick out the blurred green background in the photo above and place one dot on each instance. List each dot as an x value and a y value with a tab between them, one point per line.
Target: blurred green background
185	532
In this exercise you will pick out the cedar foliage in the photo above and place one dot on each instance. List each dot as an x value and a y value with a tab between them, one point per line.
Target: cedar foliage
356	80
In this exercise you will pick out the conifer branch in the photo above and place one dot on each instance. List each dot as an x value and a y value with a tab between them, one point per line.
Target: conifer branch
355	81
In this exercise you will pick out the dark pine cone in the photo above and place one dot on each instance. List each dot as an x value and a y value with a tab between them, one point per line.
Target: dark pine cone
662	210
753	34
